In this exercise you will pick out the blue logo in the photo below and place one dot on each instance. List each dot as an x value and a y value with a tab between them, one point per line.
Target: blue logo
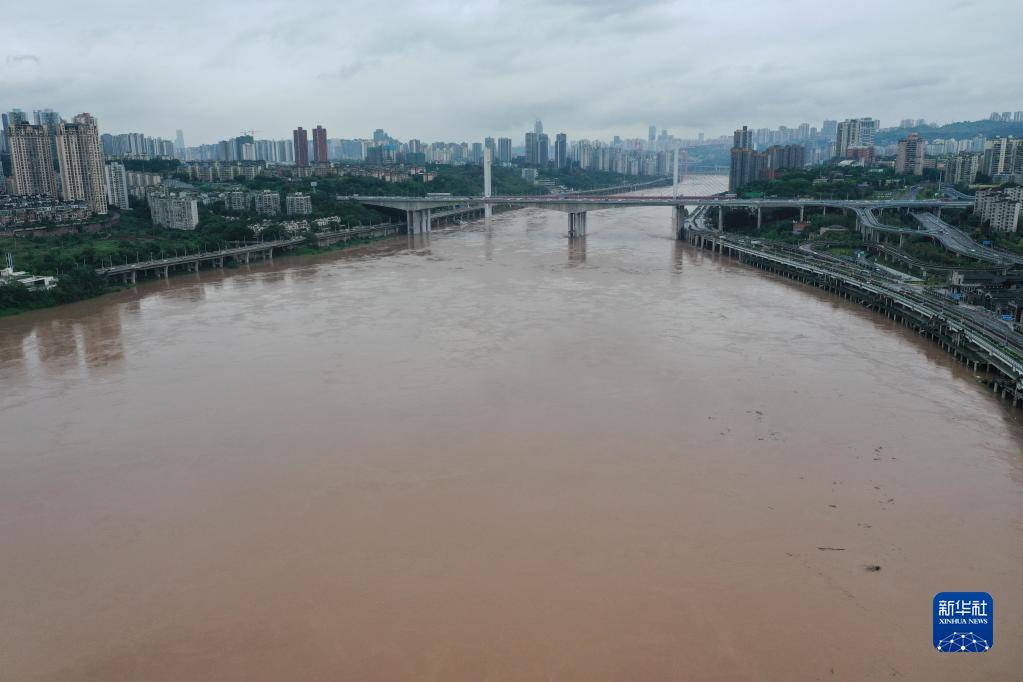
964	622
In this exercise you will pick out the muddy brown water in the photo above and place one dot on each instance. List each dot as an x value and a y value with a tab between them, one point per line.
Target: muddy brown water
496	455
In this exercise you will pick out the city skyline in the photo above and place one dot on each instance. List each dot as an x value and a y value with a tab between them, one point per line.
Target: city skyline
294	61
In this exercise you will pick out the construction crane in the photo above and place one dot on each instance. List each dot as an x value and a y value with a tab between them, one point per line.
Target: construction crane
251	133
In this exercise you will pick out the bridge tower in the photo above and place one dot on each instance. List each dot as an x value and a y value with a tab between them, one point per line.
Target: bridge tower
674	173
487	154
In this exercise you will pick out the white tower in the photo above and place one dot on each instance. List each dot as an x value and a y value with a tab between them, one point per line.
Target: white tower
487	153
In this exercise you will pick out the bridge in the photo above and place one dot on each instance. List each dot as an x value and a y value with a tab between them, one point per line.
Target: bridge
419	210
161	267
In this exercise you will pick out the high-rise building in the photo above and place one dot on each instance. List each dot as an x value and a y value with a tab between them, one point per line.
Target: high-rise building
31	158
854	132
298	204
117	185
742	138
746	165
829	129
1003	156
543	149
910	156
780	157
531	147
504	149
267	202
319	144
285	151
173	210
236	200
179	140
9	118
561	150
51	119
651	134
962	168
999	208
301	141
82	177
538	127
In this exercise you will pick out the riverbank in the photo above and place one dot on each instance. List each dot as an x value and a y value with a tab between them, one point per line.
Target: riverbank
83	283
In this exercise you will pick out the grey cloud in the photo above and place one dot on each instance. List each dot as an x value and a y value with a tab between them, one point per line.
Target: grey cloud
463	69
15	59
347	70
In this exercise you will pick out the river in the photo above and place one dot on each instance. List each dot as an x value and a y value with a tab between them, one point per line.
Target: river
494	454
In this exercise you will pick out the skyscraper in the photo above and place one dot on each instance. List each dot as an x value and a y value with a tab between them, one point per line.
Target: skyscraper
31	158
117	185
854	132
1003	156
538	127
301	141
319	144
742	138
531	148
10	118
651	134
51	119
504	149
179	141
962	168
746	165
910	157
543	149
80	158
561	150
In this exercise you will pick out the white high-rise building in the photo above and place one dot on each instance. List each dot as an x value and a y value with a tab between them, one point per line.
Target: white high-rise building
299	204
117	185
172	210
80	157
1000	208
267	202
1003	156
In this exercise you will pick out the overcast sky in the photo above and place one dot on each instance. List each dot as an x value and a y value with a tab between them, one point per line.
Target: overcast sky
462	70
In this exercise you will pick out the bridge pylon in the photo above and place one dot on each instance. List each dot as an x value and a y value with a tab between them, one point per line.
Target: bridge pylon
577	224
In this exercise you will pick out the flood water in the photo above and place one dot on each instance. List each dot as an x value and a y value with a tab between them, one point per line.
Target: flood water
496	455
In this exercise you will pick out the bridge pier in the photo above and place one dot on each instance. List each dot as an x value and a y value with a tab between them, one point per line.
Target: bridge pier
721	218
678	221
760	218
577	224
801	211
418	221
